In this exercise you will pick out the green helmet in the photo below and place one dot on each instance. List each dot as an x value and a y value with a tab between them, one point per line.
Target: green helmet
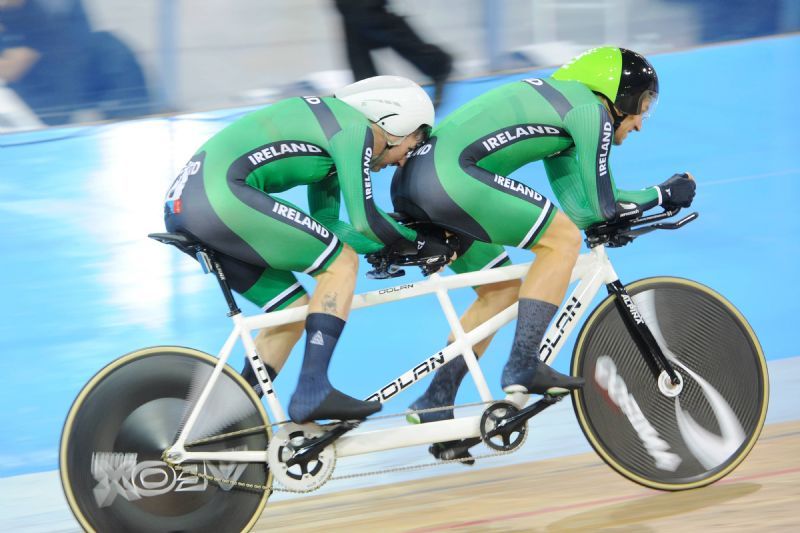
626	78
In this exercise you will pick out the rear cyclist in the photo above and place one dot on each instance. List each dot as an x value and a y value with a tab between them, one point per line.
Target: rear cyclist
224	198
458	180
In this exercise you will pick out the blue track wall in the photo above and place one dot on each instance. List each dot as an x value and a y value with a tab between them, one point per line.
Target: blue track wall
81	283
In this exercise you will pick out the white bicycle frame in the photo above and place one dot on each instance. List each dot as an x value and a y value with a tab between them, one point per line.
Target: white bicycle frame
593	270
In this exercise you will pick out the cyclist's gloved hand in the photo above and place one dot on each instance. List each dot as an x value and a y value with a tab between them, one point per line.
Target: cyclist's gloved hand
436	250
432	249
433	244
678	191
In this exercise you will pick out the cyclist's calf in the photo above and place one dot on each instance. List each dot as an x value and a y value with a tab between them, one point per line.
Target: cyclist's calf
335	286
334	294
491	299
274	344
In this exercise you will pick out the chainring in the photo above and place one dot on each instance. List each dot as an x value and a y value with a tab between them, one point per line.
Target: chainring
505	441
302	477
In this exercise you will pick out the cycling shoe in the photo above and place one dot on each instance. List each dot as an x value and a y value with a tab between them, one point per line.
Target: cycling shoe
538	379
334	406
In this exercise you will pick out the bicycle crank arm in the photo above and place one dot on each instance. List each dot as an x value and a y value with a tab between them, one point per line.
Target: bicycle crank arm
515	421
311	449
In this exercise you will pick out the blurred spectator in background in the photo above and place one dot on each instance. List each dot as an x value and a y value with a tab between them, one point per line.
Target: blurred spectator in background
40	59
369	25
727	20
53	60
115	83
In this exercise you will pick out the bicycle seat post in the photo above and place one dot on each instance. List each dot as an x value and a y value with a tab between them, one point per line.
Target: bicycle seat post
209	262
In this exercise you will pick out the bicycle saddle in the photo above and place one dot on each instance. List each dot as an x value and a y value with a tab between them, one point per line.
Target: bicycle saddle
181	241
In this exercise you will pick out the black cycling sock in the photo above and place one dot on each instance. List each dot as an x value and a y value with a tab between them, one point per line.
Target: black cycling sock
322	334
250	376
532	320
442	390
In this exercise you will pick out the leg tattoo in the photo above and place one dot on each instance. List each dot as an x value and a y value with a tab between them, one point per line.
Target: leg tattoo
329	303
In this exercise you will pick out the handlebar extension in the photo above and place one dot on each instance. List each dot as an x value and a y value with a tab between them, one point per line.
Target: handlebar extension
619	233
613	234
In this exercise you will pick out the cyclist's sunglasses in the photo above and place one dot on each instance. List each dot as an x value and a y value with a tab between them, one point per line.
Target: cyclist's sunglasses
422	133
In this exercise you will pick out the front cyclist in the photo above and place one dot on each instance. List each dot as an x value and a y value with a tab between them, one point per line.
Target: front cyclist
224	198
458	180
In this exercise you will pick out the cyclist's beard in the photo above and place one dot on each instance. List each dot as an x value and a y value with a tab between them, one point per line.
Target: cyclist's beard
378	160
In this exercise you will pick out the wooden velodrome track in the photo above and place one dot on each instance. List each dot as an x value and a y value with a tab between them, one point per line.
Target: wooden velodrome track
575	493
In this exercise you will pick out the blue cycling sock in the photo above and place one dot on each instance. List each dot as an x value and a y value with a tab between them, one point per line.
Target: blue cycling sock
532	320
442	391
322	334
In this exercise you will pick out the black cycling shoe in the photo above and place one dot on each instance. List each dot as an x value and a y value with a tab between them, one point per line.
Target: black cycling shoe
335	406
541	380
452	449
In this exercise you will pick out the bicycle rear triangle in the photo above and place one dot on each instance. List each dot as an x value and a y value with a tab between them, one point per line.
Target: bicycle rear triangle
172	439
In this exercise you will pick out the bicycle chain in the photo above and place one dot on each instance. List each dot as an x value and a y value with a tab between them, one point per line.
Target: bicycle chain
255	486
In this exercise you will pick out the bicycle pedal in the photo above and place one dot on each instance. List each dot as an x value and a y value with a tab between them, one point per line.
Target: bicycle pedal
556	393
348	424
453	450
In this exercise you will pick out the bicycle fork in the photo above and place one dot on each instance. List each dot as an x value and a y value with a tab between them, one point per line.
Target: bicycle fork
641	334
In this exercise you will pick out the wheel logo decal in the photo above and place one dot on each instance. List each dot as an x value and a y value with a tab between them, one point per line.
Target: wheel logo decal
120	474
709	449
607	377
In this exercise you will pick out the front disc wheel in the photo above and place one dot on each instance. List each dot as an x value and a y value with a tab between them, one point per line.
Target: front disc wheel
665	435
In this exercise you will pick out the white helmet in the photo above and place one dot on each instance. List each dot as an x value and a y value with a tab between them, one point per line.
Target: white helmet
398	105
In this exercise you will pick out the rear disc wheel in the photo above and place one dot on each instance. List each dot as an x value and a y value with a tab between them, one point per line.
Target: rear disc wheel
111	467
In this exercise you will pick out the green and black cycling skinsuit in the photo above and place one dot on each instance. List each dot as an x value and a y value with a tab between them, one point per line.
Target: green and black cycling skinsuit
458	179
224	196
